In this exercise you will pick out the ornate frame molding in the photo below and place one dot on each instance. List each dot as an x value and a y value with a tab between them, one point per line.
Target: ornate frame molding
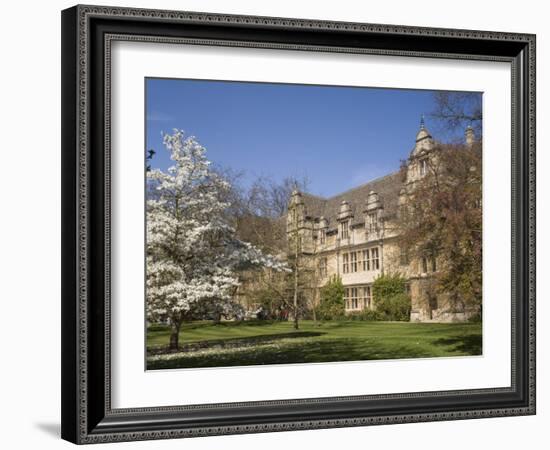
88	32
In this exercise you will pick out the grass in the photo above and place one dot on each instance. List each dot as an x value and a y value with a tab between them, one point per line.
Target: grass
204	344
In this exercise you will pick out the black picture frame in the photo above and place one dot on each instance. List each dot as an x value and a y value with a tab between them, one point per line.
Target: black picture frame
87	416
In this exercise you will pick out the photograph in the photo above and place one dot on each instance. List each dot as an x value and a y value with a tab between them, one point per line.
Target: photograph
273	222
293	223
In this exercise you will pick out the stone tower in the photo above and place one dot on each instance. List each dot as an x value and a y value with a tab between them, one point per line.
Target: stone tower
470	136
419	158
299	226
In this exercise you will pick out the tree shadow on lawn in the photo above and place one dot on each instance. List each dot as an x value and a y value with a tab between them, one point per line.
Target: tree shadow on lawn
232	323
199	324
352	350
324	350
229	343
470	344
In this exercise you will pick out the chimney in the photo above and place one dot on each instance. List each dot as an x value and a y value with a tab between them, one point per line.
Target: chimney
373	202
470	136
345	211
296	198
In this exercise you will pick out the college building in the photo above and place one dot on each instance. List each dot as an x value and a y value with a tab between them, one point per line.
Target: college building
354	235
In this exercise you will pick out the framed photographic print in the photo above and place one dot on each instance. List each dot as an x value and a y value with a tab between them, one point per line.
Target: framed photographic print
280	224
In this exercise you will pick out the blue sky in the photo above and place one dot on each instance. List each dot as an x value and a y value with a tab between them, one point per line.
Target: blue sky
338	137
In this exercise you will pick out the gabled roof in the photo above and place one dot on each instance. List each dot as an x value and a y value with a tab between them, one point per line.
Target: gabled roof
387	188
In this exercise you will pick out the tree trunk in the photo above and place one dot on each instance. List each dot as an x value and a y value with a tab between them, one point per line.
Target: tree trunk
314	314
296	301
296	283
296	267
174	335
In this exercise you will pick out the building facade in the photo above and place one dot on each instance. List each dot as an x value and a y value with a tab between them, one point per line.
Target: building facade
354	235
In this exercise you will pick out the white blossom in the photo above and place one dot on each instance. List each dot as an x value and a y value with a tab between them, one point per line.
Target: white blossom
193	256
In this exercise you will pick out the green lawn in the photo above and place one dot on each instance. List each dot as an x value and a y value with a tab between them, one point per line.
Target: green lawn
204	344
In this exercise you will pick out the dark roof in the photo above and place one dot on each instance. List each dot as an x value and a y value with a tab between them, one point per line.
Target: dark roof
386	187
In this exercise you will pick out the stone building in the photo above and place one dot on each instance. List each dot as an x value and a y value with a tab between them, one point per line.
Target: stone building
353	235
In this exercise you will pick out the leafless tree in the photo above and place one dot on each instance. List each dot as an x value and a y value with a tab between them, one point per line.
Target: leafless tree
442	219
258	213
457	110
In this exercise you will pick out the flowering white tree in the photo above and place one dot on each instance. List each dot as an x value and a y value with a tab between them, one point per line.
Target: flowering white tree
192	253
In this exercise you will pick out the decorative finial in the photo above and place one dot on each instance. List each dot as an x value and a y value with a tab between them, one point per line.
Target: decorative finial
422	122
470	135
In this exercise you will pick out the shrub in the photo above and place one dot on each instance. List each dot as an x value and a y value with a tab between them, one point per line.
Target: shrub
396	308
386	286
332	306
355	315
372	315
390	298
368	315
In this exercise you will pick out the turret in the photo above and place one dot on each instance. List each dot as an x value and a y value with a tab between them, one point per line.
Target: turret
373	209
299	226
421	155
296	198
373	202
345	214
296	210
424	141
345	211
470	136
